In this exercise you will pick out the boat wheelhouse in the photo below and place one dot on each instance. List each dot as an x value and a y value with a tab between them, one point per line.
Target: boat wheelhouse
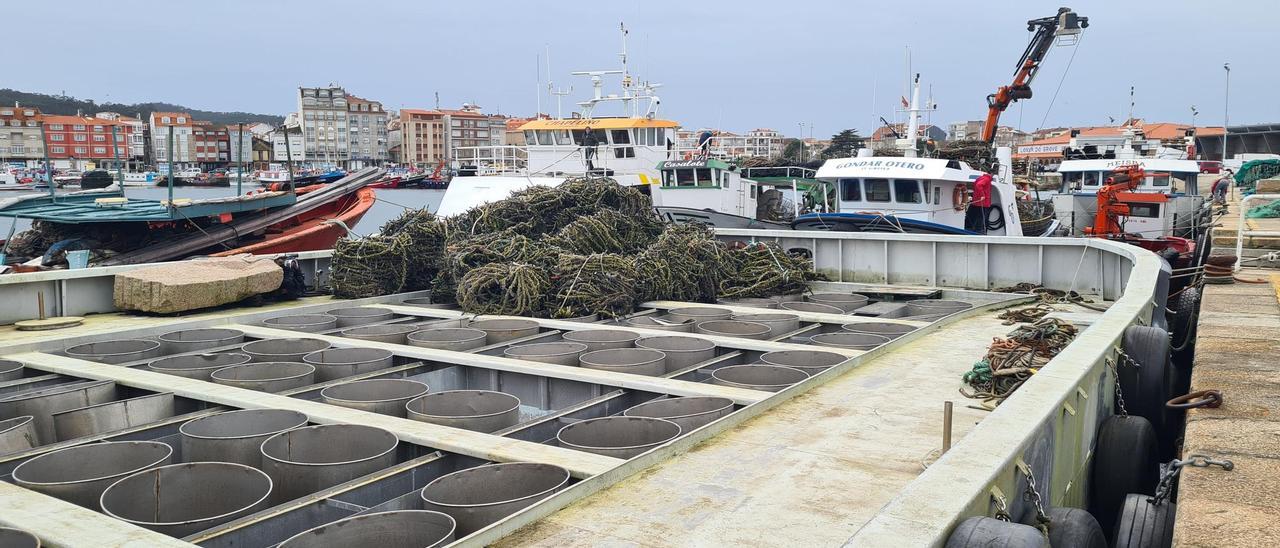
1166	203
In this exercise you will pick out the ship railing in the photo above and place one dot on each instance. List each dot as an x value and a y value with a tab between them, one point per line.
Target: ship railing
1242	230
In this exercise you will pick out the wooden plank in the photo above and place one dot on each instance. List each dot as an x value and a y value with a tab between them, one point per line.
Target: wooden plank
61	524
674	387
454	440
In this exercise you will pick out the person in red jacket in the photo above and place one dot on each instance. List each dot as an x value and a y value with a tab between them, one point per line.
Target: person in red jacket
975	217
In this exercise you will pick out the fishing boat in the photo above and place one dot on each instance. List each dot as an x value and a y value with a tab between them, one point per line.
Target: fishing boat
121	230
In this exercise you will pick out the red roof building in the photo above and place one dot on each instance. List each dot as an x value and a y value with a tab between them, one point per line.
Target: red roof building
76	138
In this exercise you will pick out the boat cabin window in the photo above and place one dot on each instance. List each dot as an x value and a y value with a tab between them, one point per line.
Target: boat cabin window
1161	180
1148	211
1091	178
563	137
907	191
877	190
689	177
1188	181
850	191
622	137
529	138
545	137
937	194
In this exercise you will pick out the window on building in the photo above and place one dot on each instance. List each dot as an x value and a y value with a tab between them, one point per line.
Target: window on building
78	127
877	190
97	129
58	150
164	119
99	150
907	191
456	133
31	123
55	127
81	150
182	119
99	138
850	191
81	138
57	137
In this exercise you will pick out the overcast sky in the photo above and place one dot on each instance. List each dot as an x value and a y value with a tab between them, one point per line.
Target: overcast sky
735	64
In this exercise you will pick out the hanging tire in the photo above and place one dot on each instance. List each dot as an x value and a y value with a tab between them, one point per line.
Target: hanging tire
1124	461
984	532
1204	247
1182	325
1074	528
1149	385
1141	524
1161	299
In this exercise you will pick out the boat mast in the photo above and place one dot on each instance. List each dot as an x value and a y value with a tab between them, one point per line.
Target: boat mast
173	180
627	105
115	144
48	167
240	158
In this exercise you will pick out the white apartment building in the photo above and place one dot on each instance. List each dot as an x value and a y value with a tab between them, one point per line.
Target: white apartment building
367	135
280	152
137	136
183	144
323	116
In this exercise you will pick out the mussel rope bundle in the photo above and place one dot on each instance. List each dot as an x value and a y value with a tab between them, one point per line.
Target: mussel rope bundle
516	289
601	283
370	266
684	264
763	269
608	231
1011	361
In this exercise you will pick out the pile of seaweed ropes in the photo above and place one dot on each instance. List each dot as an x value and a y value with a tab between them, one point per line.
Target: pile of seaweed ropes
588	246
1010	361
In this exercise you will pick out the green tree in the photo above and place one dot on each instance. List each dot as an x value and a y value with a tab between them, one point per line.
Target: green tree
843	144
792	149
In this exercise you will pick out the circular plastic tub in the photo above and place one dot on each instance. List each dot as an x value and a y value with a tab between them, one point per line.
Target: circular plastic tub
17	538
477	410
779	323
307	323
935	307
602	339
817	308
418	301
10	370
852	341
235	436
384	396
559	353
589	318
621	437
18	434
360	315
267	376
397	529
505	329
681	351
671	324
457	339
769	378
305	460
752	302
848	302
690	412
393	334
81	473
336	363
181	499
637	361
479	496
811	362
734	328
699	314
197	366
884	329
114	352
282	350
190	340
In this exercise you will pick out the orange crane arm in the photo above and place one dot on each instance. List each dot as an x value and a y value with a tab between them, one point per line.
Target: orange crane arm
1107	219
1047	29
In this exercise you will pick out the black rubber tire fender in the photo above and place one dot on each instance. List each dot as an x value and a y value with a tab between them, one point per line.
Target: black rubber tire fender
1164	280
1141	524
1074	528
1182	323
1124	461
1148	386
985	532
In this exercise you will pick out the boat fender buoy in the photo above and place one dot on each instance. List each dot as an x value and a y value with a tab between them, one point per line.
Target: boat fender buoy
1141	524
1147	386
1124	462
1075	528
985	532
959	198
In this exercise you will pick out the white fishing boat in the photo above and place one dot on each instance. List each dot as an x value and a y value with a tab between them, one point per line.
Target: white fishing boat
144	178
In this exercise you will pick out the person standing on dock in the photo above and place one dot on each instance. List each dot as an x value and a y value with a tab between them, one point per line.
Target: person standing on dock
589	144
1220	186
975	217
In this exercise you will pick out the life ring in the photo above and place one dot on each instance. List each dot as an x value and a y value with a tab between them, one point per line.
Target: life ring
959	198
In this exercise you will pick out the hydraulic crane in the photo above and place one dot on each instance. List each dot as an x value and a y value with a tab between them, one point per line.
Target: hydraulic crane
1048	30
1106	221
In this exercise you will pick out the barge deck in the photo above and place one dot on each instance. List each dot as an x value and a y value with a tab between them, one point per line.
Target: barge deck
845	455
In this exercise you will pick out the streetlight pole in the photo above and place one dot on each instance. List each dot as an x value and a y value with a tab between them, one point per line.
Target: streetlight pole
1226	117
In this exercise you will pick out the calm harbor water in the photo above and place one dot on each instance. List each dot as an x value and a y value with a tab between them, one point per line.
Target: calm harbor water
391	203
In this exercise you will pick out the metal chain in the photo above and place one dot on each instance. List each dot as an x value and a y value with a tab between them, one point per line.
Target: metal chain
1170	471
1032	495
1002	508
1120	408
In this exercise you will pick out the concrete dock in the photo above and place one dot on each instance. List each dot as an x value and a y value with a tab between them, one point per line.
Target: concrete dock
1238	353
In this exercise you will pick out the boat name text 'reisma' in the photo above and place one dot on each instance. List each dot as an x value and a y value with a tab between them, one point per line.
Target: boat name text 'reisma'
882	164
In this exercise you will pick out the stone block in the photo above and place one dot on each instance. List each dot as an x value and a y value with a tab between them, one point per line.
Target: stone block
191	285
1268	186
